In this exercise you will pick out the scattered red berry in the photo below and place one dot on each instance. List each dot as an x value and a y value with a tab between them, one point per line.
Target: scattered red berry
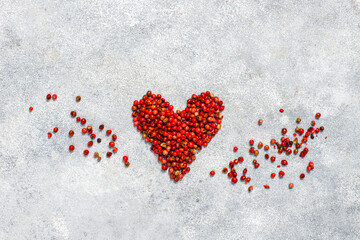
284	131
101	127
266	186
115	150
260	121
83	121
281	110
125	158
108	132
234	180
90	143
84	130
281	174
71	148
317	115
73	113
302	176
31	109
49	135
56	129
108	154
212	173
273	175
54	96
111	144
291	185
114	137
236	149
48	97
86	152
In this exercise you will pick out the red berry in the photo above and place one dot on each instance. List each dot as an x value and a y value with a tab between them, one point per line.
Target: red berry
92	136
273	175
235	149
30	109
248	179
54	96
48	97
71	148
288	152
56	129
78	119
301	131
212	173
281	110
311	164
234	180
108	132
317	115
251	142
291	185
114	137
111	144
49	135
260	121
73	113
281	174
273	159
241	159
86	152
83	121
244	171
302	176
164	167
101	127
90	143
125	158
284	131
84	130
256	165
108	154
115	150
266	186
284	162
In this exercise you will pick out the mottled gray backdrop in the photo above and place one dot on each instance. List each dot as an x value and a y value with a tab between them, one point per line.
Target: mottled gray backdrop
257	56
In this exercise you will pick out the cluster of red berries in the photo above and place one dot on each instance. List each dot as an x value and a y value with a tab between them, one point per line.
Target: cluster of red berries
176	136
284	145
90	131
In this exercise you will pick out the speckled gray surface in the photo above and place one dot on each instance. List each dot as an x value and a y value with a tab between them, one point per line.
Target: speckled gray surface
258	56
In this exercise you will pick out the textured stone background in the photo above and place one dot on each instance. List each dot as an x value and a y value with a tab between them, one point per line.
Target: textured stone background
258	56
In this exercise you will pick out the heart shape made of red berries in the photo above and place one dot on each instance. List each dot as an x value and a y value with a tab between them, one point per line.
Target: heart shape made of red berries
177	136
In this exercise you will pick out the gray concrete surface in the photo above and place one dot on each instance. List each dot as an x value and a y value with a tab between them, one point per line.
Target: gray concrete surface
257	56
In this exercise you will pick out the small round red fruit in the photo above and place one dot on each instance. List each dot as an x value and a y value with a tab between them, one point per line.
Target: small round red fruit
71	148
125	158
212	173
86	152
108	132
